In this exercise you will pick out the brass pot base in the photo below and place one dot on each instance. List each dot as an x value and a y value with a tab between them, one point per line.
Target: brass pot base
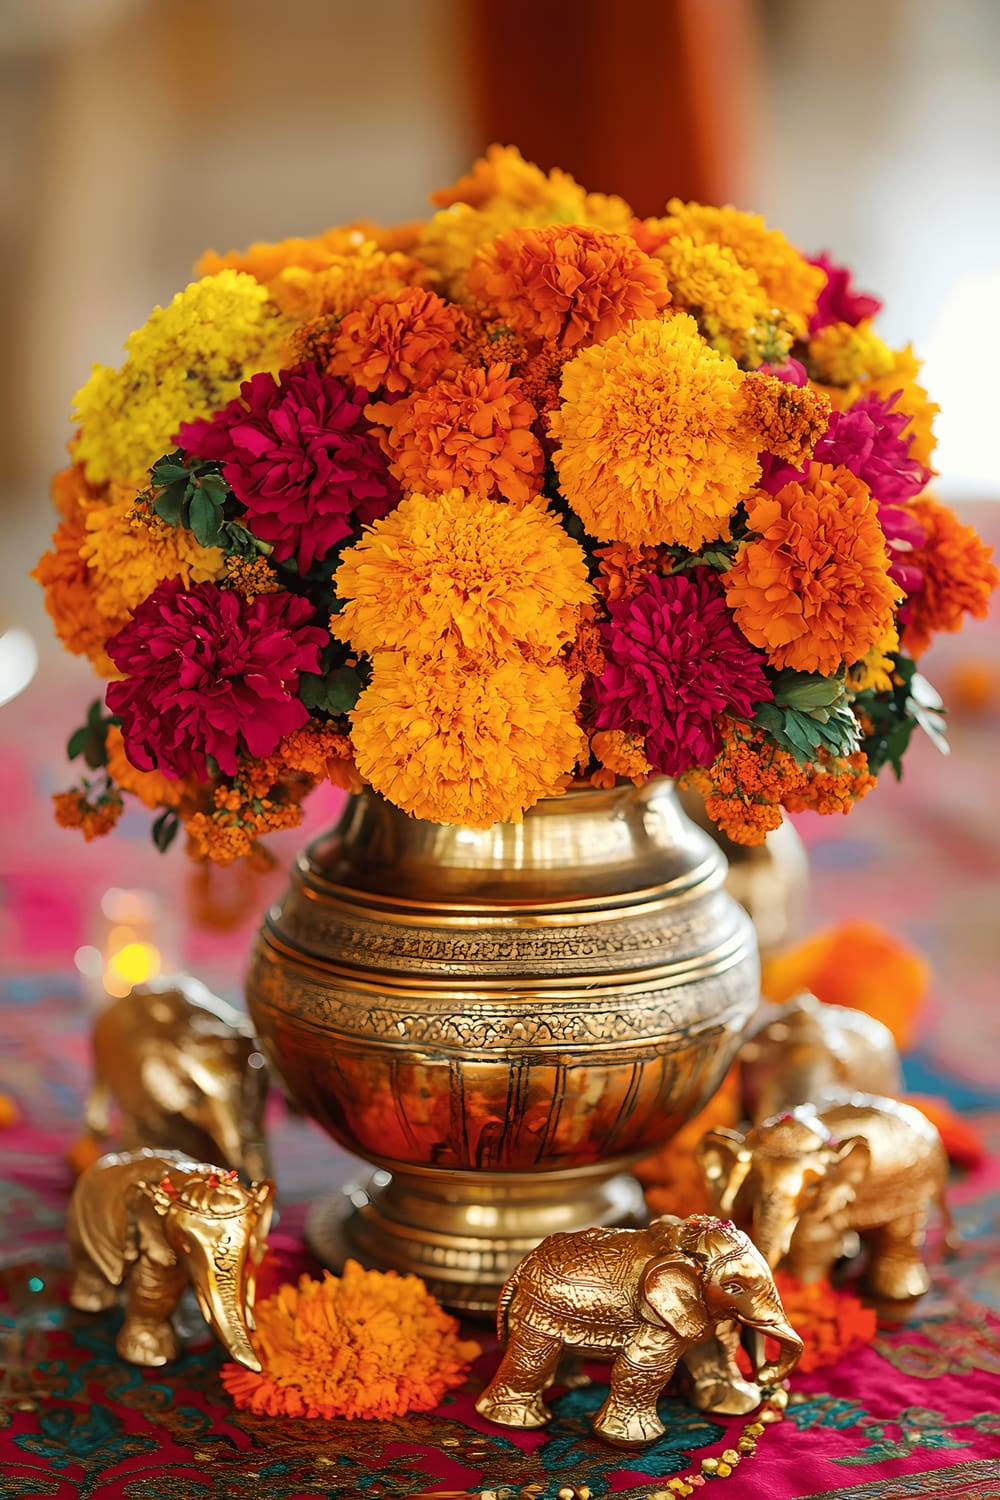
462	1247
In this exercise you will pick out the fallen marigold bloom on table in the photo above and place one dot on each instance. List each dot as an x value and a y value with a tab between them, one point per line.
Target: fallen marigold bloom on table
366	1345
831	1322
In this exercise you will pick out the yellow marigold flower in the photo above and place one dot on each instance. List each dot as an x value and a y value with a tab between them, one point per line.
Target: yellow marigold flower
128	555
841	354
874	670
455	744
471	430
366	1344
568	284
912	398
461	570
186	360
726	297
150	787
344	282
654	446
790	283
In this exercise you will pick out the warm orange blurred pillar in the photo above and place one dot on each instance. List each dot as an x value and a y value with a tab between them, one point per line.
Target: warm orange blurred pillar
646	98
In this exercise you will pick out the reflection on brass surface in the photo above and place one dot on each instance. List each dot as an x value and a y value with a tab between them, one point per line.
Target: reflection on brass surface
798	1183
679	1291
186	1073
503	1018
768	880
158	1223
811	1050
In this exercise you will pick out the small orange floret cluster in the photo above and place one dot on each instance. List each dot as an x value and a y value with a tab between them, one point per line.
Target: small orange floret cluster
364	1345
93	818
812	587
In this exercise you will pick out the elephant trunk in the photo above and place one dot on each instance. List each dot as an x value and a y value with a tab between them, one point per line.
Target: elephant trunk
222	1128
790	1351
221	1284
774	1223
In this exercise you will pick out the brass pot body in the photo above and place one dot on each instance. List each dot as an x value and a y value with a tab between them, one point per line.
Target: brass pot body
501	1020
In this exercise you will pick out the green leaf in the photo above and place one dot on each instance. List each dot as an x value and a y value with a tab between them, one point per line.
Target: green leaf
343	689
216	488
77	740
169	504
165	829
168	471
807	690
205	519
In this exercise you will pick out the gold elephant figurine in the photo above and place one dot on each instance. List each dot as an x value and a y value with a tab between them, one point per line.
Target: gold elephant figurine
186	1074
808	1050
647	1299
158	1223
803	1180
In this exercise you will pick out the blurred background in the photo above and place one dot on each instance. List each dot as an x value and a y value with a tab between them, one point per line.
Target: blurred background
136	133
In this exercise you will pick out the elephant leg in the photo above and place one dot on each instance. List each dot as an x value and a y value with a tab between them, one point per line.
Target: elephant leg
97	1110
514	1395
90	1291
717	1383
896	1270
147	1336
628	1417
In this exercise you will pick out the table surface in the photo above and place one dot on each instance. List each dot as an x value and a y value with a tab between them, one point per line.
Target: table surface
917	1414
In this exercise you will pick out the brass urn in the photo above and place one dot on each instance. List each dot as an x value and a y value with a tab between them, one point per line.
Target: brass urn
501	1020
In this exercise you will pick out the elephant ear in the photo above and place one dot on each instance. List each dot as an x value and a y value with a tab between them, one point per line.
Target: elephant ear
165	1081
849	1163
724	1160
670	1287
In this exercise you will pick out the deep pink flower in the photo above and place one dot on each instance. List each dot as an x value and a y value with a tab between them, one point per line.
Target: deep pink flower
870	439
676	659
207	673
300	454
838	302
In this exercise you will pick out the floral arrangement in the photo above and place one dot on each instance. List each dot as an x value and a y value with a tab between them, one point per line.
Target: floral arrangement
530	494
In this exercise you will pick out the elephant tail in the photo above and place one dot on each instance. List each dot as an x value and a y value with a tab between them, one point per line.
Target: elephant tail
503	1306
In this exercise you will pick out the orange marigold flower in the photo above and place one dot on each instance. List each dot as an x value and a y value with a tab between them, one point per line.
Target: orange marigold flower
367	1344
71	596
266	260
568	283
790	283
830	1322
787	420
654	445
623	570
461	570
470	431
622	753
344	282
150	787
70	489
397	343
454	743
858	964
94	819
813	588
958	574
832	785
504	173
321	752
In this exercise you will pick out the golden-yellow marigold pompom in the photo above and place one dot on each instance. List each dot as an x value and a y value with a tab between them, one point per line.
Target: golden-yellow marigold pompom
466	571
459	742
653	442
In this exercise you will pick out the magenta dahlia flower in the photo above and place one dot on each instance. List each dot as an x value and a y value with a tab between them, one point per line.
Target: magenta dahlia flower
300	455
838	302
207	673
675	659
870	439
